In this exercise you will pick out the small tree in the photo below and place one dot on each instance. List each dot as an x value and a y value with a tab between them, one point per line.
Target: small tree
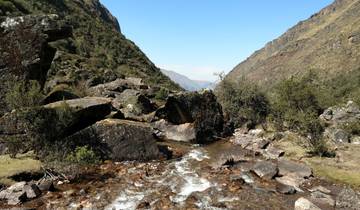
242	101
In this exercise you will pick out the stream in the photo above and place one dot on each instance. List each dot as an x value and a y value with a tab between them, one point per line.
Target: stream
182	177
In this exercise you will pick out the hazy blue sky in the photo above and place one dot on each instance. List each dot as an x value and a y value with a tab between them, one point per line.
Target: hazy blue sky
200	37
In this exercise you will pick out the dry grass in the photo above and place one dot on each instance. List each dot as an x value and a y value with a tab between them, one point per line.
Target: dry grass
13	166
344	168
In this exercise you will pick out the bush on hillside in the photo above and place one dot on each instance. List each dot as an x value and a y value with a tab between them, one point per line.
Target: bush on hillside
243	102
23	94
296	105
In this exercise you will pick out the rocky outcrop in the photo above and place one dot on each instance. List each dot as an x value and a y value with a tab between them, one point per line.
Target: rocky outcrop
133	104
201	109
337	118
118	140
51	122
337	115
24	50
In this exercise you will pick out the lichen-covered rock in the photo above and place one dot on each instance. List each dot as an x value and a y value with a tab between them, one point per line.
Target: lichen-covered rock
118	140
201	109
24	50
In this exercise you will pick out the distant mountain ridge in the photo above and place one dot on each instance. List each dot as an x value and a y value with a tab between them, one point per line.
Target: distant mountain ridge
187	83
327	43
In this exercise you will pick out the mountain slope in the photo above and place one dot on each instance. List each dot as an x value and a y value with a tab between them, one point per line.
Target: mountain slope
97	52
328	43
185	82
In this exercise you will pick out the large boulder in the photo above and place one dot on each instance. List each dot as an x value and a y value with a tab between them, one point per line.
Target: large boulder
118	140
133	104
201	109
51	122
167	131
24	50
111	89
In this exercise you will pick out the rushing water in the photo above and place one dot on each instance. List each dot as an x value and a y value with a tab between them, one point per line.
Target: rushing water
181	177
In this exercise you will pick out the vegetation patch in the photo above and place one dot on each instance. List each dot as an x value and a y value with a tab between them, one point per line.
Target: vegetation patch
13	166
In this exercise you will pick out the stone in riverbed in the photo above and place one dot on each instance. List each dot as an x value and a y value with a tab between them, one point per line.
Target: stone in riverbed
305	204
265	169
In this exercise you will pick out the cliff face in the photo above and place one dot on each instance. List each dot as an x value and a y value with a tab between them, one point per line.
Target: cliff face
328	43
96	53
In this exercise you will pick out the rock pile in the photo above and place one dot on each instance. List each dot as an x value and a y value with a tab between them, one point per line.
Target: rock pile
23	191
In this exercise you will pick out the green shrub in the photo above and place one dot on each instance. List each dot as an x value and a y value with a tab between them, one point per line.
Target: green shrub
243	102
162	94
23	94
83	155
296	105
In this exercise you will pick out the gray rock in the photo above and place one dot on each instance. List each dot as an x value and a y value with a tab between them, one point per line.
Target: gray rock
17	187
348	199
184	132
285	189
118	140
32	191
323	198
266	169
304	204
202	109
320	189
287	168
133	104
16	198
292	181
46	185
272	152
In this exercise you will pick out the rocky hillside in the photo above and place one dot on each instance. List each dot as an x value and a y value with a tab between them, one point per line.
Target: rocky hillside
187	83
328	43
95	53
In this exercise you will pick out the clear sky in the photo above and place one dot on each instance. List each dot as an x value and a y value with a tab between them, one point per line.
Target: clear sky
199	37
